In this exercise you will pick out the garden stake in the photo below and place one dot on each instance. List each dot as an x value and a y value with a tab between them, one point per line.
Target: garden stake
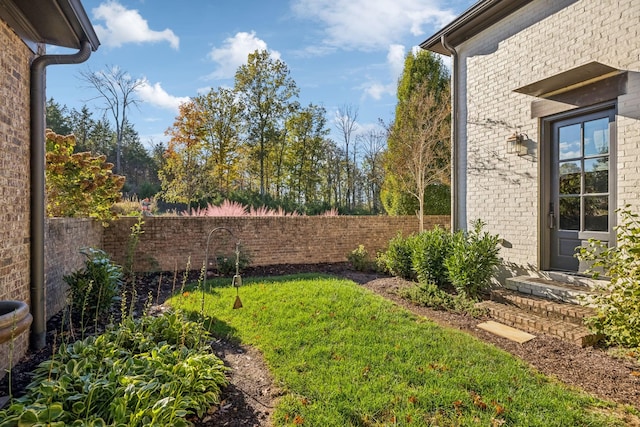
237	280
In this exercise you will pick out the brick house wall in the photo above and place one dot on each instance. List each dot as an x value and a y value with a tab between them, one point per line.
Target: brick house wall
167	243
542	39
15	59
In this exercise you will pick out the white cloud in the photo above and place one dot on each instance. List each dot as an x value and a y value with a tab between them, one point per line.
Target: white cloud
154	94
395	59
366	128
377	90
395	64
127	26
234	53
372	24
203	90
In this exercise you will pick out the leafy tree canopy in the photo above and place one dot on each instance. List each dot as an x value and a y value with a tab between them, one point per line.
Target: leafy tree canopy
78	184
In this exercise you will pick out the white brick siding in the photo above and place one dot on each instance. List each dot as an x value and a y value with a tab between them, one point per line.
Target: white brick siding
540	40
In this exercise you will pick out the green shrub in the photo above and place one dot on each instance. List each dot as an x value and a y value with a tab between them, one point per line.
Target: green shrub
437	199
226	262
396	260
94	287
465	259
359	259
617	306
429	252
474	254
430	295
152	371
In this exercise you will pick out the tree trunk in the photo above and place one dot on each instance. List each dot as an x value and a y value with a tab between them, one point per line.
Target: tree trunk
421	213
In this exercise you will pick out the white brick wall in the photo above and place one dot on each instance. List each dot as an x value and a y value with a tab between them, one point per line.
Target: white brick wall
540	40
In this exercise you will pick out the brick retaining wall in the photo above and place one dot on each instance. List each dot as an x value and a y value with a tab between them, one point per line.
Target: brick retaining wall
63	240
167	243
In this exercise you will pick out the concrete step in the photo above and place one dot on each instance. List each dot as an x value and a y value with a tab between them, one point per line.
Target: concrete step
569	292
579	280
534	323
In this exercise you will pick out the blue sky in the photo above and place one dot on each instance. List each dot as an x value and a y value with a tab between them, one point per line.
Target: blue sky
339	52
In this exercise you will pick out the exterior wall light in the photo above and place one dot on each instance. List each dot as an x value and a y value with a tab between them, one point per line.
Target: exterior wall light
516	145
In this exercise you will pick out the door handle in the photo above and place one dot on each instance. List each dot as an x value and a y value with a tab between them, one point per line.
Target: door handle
552	216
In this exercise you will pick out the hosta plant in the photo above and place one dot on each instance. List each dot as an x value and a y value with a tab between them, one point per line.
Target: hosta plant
94	287
153	371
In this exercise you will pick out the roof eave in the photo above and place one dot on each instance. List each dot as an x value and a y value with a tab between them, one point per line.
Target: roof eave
59	22
80	22
477	18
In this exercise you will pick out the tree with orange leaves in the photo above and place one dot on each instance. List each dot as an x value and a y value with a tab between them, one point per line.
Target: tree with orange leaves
80	184
182	174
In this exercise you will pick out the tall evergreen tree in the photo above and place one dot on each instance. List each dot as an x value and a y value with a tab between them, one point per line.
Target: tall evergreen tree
83	126
137	164
424	70
421	153
58	118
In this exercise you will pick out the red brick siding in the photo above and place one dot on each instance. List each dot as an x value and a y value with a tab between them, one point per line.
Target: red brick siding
15	58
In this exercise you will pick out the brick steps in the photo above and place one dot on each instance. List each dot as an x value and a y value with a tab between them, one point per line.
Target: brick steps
548	309
543	306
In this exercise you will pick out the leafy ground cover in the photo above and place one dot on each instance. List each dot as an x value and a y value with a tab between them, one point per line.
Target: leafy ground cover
148	371
345	356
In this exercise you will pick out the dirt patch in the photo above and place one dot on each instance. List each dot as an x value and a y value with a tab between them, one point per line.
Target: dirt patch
250	398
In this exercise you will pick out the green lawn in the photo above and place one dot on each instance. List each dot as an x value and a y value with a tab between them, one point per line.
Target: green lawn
347	357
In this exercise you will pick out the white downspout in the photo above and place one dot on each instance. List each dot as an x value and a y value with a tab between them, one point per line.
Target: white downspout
455	210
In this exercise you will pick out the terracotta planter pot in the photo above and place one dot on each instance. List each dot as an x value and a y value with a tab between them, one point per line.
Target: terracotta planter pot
14	319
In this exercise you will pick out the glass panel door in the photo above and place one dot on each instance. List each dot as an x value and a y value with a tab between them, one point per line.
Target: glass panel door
581	185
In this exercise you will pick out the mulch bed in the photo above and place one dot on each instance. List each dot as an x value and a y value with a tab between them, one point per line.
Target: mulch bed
251	396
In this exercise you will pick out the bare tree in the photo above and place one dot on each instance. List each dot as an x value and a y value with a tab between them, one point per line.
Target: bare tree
421	157
374	145
345	120
118	91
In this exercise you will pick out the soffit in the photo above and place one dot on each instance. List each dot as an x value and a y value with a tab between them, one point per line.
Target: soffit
477	18
56	22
